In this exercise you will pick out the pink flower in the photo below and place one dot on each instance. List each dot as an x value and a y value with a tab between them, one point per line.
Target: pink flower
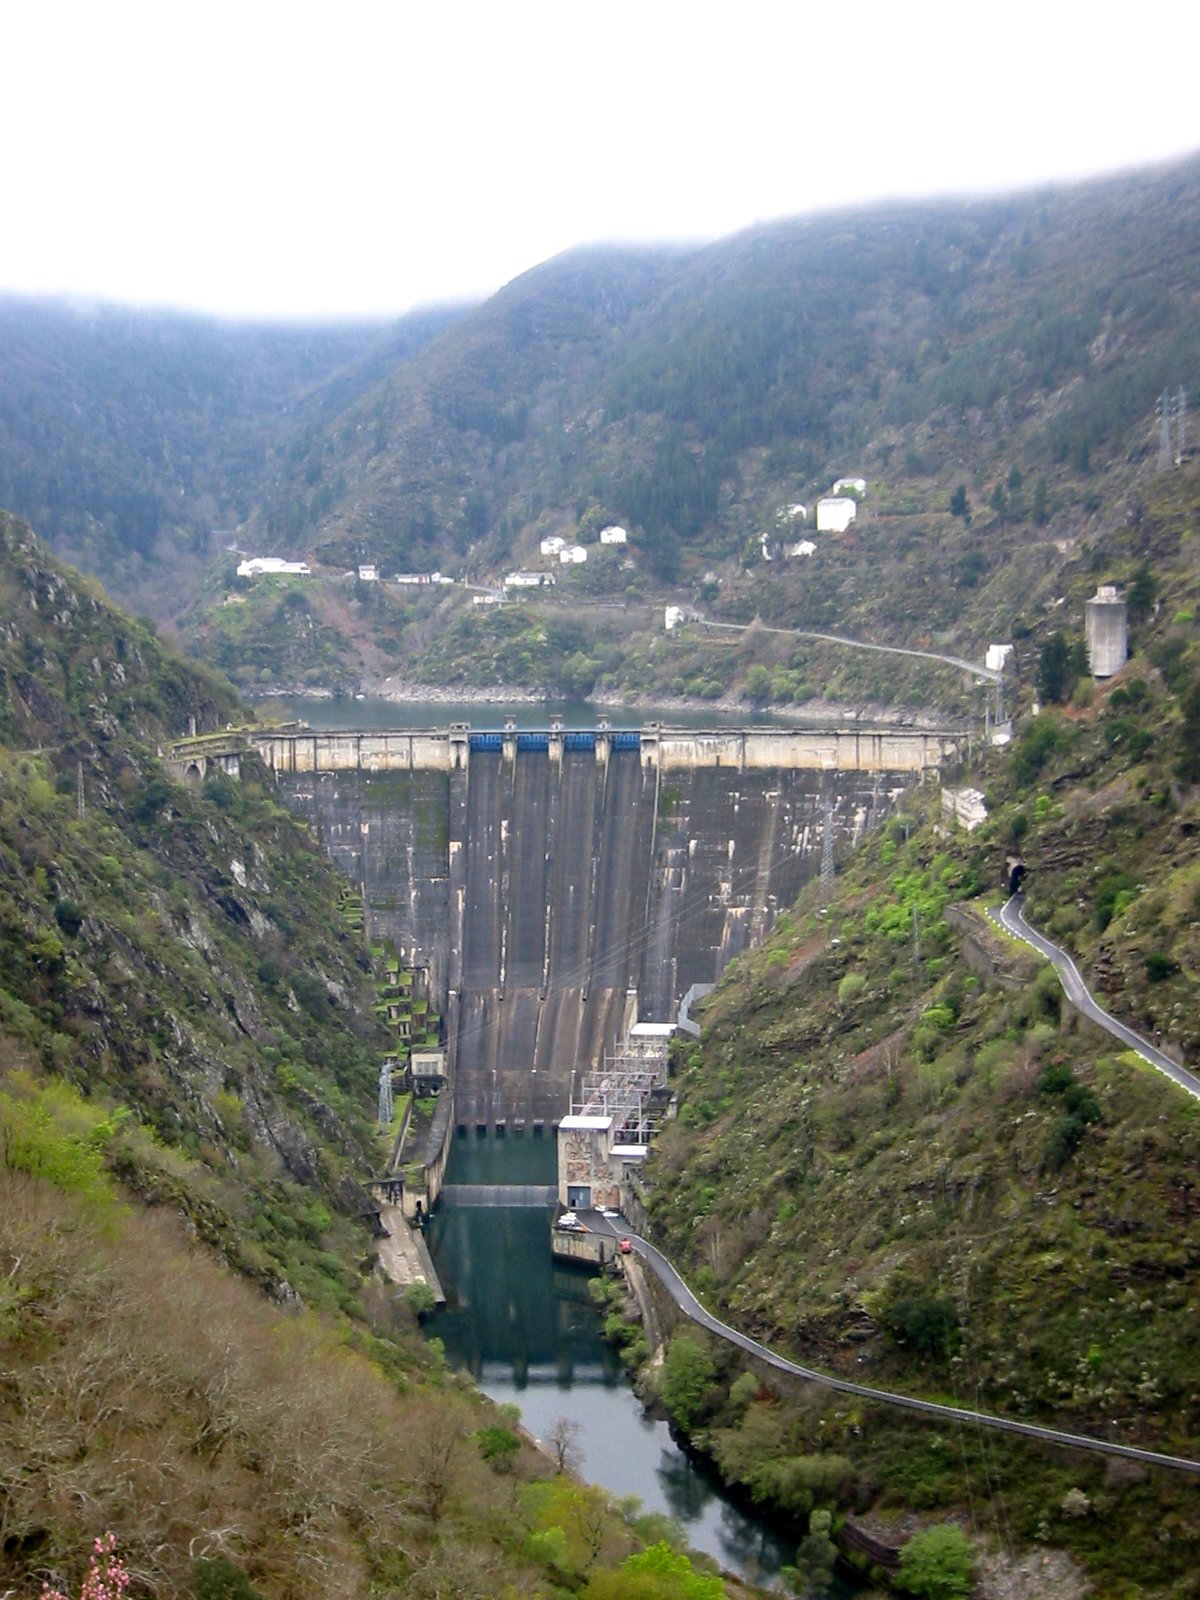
106	1579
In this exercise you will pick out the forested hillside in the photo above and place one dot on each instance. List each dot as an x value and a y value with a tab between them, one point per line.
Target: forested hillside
196	1356
133	439
992	369
901	1156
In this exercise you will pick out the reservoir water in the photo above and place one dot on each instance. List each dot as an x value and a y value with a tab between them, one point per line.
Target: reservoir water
527	1332
372	713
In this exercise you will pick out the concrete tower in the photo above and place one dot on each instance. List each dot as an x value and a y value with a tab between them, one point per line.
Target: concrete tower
1107	641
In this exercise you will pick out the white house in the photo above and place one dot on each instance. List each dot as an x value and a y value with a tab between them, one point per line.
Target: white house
857	485
552	545
490	598
613	535
802	547
368	573
272	566
793	513
676	616
572	555
835	513
413	579
528	580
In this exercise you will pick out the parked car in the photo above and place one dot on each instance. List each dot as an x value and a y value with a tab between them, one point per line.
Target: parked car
568	1220
626	1246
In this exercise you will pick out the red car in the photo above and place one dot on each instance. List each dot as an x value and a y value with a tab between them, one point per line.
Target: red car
626	1246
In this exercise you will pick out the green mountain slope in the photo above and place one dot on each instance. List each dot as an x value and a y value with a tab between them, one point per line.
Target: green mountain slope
900	1155
196	1356
1003	356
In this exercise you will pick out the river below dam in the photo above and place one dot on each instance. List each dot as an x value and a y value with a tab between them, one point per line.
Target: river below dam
527	1332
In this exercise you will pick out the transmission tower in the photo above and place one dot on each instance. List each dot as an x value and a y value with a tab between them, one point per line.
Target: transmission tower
386	1108
827	853
1165	408
1180	425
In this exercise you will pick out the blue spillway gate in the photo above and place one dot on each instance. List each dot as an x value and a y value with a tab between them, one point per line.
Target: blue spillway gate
573	739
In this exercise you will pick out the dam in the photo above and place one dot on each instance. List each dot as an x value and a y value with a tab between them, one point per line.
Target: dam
557	884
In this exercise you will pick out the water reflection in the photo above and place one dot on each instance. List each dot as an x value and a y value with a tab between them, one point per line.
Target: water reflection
527	1332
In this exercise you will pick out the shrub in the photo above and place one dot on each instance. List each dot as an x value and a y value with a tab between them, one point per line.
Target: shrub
1160	967
851	986
925	1323
937	1564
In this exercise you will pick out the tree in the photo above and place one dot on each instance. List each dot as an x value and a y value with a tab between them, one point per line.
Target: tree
687	1376
1140	596
1041	503
959	505
937	1564
1054	669
498	1446
758	682
563	1443
925	1323
815	1559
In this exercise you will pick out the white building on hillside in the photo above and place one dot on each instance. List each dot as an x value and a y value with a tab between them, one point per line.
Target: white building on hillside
613	535
572	555
857	485
272	566
529	580
835	513
368	573
802	547
552	545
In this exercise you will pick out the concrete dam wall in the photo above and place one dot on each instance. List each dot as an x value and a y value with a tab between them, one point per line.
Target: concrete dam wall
542	889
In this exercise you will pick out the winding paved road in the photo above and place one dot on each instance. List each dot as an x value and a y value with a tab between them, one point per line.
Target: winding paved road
984	673
1011	917
691	1307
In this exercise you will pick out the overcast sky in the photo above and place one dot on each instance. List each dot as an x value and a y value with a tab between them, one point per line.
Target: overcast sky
296	159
